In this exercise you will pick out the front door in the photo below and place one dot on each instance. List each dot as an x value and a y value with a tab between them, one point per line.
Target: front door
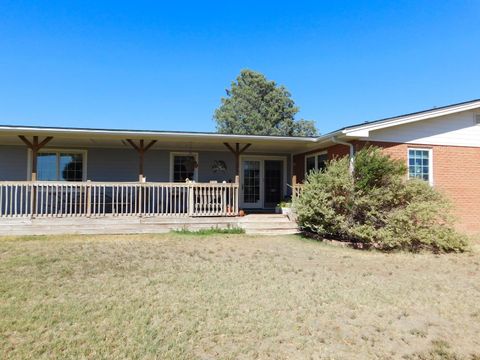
261	182
251	183
273	184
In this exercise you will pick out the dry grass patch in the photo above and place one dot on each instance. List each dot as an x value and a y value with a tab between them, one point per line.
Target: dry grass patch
231	296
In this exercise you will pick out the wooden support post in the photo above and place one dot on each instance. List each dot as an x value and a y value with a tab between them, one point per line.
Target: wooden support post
237	152
294	187
236	195
89	199
141	149
191	199
34	146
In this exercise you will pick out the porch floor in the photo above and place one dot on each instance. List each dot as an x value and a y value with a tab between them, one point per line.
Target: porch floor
255	224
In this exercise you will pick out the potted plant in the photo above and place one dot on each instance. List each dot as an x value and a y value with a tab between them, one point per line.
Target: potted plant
283	207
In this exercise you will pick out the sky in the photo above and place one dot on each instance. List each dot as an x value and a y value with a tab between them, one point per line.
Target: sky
165	65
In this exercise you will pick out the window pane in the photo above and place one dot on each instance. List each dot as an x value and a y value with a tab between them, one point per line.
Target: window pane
184	168
251	181
310	164
418	164
71	167
47	166
322	161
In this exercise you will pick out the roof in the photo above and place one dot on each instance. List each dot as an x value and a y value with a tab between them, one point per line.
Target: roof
148	133
356	130
412	117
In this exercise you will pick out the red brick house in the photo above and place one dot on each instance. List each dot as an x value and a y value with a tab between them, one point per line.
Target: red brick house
53	174
441	146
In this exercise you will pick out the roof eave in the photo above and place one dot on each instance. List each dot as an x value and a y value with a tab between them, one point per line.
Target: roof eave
146	133
363	130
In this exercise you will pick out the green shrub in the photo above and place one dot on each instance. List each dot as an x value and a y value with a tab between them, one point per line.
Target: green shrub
376	206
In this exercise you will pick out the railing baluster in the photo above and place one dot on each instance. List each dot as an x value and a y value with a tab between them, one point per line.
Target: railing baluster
63	199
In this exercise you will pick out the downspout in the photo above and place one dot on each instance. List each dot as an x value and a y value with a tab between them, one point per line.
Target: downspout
352	152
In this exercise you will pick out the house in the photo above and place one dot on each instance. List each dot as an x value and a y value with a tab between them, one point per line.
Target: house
48	172
440	145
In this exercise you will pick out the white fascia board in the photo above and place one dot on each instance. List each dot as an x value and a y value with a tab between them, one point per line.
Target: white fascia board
409	119
357	133
151	134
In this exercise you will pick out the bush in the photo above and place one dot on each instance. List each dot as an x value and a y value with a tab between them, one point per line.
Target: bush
376	206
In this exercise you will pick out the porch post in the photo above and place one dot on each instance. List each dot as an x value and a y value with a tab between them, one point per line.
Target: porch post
34	146
236	195
141	150
237	152
294	187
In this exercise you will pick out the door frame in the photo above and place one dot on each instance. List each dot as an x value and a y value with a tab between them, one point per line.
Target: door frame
262	159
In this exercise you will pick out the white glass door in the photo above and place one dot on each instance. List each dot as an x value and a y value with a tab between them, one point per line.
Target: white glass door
251	183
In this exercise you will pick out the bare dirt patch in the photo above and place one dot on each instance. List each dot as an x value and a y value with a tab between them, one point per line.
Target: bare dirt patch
231	296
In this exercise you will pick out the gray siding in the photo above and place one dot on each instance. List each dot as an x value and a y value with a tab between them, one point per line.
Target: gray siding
122	165
205	163
104	164
13	163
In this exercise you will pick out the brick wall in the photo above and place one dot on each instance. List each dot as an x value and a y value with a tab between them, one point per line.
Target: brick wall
456	173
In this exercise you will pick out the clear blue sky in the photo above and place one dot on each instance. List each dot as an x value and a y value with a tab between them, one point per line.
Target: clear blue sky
149	65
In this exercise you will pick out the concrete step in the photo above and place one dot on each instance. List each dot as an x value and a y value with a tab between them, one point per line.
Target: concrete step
264	218
269	225
272	232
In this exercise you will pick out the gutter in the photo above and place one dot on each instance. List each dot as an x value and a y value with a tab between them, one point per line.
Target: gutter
120	133
351	166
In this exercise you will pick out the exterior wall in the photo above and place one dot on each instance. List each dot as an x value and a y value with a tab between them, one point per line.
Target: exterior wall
456	173
13	163
121	164
458	129
299	159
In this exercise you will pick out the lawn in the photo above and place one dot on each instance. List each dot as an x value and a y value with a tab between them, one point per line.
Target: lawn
183	296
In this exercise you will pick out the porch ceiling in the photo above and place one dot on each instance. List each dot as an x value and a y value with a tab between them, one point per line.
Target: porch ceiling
165	141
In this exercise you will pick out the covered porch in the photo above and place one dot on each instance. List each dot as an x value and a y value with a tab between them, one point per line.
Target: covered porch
56	172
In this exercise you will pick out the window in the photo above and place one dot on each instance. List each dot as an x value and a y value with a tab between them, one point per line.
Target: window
420	164
183	166
316	162
61	166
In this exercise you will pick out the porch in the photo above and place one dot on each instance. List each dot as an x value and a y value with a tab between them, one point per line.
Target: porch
45	199
82	180
63	172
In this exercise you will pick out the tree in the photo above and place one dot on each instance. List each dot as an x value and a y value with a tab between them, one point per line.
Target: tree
257	106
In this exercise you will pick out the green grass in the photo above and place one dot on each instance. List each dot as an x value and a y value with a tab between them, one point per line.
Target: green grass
211	231
229	296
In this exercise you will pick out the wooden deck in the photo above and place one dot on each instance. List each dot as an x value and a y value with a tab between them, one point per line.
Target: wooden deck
255	224
45	199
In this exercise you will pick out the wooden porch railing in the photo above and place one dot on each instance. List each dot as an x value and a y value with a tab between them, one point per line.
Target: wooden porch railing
297	190
64	199
296	187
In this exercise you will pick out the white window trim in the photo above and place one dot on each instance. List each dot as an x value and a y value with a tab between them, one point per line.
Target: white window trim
430	162
476	115
195	171
57	151
315	156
